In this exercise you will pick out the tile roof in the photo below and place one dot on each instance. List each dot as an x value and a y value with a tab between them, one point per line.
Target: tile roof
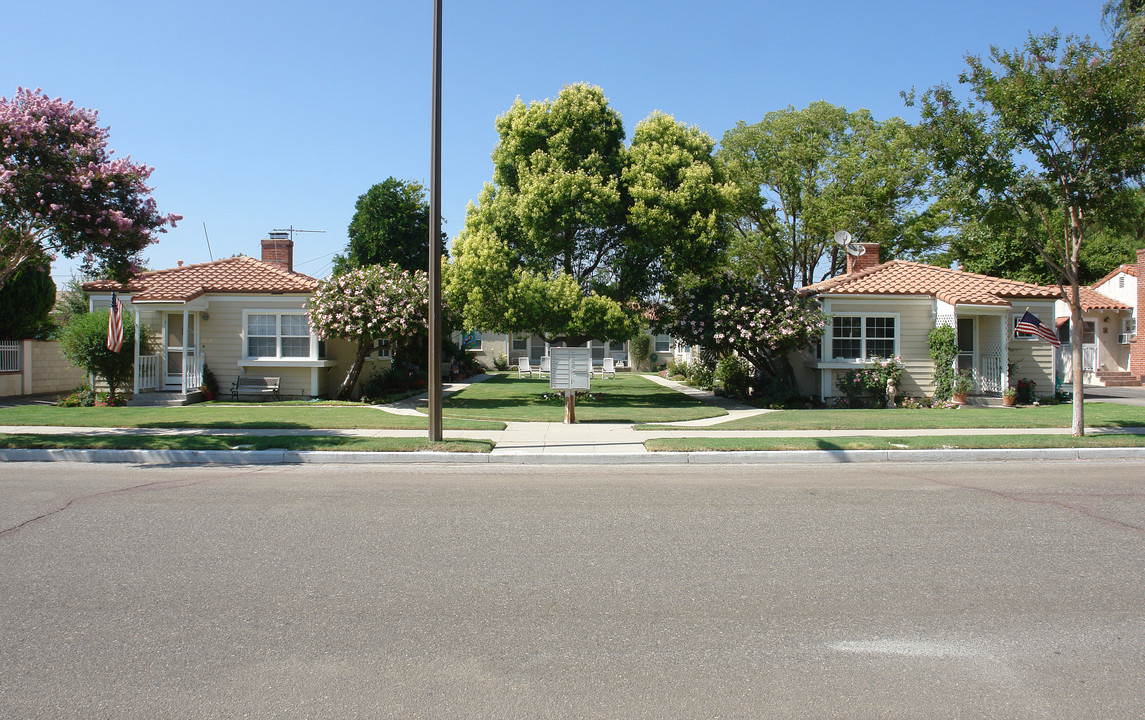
1093	300
902	277
1127	269
239	274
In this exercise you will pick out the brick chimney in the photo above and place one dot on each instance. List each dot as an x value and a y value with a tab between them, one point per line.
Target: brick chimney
278	249
868	259
1137	347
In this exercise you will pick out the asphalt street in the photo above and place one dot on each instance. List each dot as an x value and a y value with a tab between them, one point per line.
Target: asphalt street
945	590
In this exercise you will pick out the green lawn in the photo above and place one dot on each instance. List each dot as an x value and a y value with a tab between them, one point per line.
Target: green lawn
1050	416
627	399
956	442
238	442
213	415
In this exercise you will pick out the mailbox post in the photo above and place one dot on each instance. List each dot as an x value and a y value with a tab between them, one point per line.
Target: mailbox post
570	369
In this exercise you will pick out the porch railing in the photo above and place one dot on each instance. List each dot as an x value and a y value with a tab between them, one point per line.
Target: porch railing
193	373
1089	358
148	372
990	376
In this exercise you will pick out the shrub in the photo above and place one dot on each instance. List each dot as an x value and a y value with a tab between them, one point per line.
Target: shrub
870	381
80	397
943	344
639	347
701	375
84	343
1026	391
501	362
735	374
676	367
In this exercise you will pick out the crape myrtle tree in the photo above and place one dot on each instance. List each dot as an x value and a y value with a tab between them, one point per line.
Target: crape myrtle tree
390	225
367	304
760	321
802	175
577	232
1050	139
62	192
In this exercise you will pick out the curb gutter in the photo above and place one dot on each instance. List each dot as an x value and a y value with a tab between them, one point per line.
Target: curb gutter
777	457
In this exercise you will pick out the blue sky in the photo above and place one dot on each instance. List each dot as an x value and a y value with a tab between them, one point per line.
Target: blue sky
261	115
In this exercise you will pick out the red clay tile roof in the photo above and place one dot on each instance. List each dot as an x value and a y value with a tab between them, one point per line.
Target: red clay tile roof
1127	269
232	275
901	277
1093	300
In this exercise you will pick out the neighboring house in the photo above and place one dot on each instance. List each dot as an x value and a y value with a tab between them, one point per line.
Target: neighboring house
1109	324
240	316
487	347
888	310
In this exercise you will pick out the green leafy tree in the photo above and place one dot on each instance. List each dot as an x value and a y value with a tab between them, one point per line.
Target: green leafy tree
84	344
26	302
801	175
577	231
390	225
1125	20
72	302
1050	139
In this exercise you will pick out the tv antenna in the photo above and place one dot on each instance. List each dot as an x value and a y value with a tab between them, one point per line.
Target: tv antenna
208	237
293	230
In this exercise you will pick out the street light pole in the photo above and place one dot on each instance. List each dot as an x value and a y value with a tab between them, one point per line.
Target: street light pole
435	431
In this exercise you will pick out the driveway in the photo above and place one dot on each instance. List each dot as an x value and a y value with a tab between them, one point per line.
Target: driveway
1120	395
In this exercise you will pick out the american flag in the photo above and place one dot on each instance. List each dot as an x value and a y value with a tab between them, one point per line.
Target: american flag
115	325
1029	323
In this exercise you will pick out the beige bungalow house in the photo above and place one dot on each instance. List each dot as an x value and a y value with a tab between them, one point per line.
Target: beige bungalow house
888	310
1109	328
239	316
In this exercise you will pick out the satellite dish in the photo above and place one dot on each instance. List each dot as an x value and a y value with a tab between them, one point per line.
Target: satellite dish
856	249
842	238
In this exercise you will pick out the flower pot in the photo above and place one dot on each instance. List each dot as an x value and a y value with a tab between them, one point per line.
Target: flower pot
959	398
1008	401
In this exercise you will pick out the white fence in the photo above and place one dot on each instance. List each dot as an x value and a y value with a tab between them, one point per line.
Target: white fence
10	355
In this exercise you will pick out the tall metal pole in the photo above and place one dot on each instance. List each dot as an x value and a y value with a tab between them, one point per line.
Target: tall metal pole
435	432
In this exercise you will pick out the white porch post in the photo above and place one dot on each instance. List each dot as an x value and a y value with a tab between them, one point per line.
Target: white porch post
135	390
186	357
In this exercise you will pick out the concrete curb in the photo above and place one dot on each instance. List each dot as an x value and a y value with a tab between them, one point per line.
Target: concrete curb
781	457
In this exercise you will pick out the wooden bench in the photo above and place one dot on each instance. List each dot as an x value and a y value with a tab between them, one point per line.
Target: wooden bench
255	385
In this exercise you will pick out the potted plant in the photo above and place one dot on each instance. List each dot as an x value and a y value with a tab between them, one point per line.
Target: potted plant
1009	396
210	384
963	384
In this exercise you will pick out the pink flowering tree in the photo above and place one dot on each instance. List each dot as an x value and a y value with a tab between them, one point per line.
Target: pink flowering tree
761	323
62	192
367	304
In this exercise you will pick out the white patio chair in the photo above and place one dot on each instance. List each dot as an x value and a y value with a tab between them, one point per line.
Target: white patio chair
524	367
544	369
608	365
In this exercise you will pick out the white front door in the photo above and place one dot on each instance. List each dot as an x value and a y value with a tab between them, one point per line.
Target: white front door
175	349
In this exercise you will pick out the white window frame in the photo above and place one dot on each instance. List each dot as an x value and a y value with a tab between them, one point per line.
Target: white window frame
864	355
1015	334
312	353
667	344
479	347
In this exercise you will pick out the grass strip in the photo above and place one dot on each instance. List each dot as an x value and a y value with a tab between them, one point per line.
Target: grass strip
1097	414
227	416
628	398
238	442
937	442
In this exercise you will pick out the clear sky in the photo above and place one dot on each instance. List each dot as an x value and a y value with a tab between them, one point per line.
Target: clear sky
260	115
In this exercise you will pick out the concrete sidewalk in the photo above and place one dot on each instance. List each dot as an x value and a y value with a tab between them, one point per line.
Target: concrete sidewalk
549	442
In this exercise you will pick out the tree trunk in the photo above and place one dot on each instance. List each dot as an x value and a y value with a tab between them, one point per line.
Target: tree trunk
347	387
1075	338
